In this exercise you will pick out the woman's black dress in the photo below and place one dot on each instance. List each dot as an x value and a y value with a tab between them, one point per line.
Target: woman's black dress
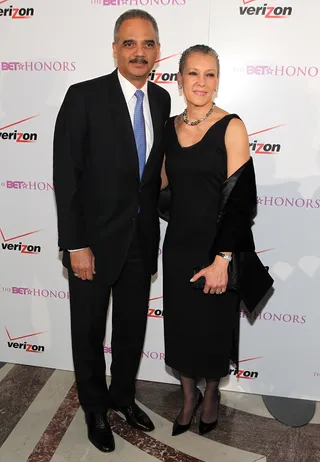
200	330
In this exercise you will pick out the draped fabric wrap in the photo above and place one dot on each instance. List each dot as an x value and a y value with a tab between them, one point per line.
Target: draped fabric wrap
237	209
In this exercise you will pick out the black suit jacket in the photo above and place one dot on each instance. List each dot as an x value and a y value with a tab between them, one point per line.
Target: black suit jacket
96	174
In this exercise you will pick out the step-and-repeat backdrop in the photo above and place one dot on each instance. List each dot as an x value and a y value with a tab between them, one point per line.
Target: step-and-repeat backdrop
270	76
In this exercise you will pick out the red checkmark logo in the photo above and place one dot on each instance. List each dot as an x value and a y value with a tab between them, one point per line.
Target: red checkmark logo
17	237
22	336
19	121
167	57
262	251
266	129
250	359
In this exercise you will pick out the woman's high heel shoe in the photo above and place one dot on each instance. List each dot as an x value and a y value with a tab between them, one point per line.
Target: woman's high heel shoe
208	427
177	428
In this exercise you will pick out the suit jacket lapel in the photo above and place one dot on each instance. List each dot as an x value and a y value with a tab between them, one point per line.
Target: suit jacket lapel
122	120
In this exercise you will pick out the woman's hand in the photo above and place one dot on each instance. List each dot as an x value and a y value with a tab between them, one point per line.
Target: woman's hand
216	276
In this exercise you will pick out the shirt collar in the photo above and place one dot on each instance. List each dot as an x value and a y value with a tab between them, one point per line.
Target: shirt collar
128	89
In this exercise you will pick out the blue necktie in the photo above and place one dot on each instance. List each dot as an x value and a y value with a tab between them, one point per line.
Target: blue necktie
140	131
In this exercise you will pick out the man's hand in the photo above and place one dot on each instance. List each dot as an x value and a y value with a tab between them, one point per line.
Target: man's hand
82	263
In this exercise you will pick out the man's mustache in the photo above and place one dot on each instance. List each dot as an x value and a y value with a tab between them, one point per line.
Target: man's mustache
139	60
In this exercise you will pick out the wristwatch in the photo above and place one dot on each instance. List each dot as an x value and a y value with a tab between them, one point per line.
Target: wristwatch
225	256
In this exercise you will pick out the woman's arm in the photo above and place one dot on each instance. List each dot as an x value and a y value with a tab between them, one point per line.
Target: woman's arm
237	147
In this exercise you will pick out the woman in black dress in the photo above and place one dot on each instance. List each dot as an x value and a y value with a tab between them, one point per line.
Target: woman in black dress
204	146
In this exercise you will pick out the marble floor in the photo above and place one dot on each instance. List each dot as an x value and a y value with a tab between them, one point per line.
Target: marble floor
40	421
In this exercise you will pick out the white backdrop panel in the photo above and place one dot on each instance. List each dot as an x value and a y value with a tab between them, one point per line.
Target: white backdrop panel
60	44
269	76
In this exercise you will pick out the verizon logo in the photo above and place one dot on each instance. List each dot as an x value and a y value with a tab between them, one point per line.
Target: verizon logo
243	373
257	147
19	246
28	347
266	11
18	137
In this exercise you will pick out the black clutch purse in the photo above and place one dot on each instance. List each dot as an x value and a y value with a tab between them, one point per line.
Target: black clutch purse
247	276
232	275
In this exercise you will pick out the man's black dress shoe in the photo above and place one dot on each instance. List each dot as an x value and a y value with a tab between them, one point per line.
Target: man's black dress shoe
136	417
99	431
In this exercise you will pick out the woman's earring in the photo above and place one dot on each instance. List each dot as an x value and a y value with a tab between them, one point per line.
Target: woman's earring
180	87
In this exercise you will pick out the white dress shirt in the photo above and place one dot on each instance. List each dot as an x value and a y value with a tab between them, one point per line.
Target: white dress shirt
128	91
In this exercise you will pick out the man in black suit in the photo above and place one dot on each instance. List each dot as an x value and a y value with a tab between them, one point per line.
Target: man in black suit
108	152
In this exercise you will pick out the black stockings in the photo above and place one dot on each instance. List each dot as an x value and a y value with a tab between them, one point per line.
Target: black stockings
211	401
191	395
190	398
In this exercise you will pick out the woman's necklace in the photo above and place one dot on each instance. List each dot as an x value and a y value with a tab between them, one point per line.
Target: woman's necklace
196	122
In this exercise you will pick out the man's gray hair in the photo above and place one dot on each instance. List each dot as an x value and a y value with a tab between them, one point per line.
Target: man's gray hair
134	14
202	49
